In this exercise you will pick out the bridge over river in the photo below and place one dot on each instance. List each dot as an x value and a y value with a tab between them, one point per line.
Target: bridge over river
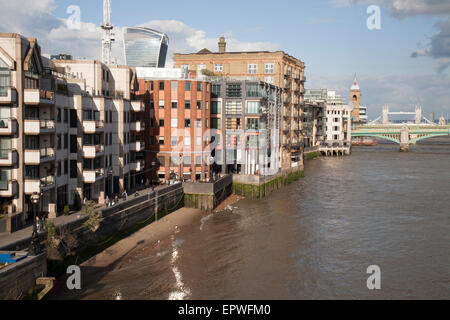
405	133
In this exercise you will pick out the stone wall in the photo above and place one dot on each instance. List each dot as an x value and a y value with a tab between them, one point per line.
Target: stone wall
257	187
19	279
207	196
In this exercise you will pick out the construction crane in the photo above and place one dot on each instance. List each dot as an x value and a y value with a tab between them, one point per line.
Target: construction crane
108	35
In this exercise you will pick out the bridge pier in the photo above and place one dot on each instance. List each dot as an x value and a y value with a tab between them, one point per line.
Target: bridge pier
404	139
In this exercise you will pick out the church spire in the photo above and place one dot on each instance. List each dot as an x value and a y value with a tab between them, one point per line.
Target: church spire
355	85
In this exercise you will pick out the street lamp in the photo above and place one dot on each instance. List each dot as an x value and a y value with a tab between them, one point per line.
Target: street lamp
35	245
181	166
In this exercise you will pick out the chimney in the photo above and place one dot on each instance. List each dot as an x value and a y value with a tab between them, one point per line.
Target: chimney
222	45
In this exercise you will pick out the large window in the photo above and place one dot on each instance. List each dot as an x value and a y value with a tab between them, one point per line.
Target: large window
199	86
252	124
252	90
174	123
215	123
174	86
215	90
218	68
187	86
233	107
216	107
269	68
161	85
161	104
252	68
234	91
5	81
252	107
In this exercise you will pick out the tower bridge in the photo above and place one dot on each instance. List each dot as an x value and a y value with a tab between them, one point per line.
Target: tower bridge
406	133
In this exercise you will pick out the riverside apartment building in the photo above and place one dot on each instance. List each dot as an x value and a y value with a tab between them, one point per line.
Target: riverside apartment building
67	127
177	122
277	68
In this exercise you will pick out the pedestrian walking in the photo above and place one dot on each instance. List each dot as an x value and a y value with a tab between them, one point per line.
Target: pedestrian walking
124	195
107	201
84	200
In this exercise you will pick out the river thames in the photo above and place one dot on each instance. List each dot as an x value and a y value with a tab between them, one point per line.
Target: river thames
314	239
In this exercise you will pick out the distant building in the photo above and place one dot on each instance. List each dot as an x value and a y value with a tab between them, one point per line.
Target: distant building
145	47
332	123
277	68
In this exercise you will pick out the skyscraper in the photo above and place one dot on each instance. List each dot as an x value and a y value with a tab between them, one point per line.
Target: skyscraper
144	47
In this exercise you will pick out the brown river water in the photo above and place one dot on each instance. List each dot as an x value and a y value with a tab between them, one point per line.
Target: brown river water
314	239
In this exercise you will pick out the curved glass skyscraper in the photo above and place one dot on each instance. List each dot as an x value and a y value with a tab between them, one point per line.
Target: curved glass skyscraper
144	47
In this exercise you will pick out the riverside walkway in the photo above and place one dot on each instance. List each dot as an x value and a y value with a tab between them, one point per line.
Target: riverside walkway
24	235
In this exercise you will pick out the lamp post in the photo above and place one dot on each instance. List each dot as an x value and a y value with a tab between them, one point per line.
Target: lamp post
181	166
35	245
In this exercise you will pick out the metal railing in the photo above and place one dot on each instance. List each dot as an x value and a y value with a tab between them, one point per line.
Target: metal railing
47	152
47	124
47	181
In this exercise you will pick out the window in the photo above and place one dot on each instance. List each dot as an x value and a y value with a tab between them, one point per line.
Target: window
234	90
252	90
66	141
198	160
162	161
269	68
174	123
66	166
5	81
252	68
161	85
198	141
59	141
161	123
218	68
173	141
174	86
32	172
198	123
199	86
207	105
233	107
73	117
187	86
59	169
216	107
58	117
215	90
201	67
269	80
252	107
73	144
206	123
252	124
187	123
187	161
161	104
215	123
187	104
187	141
199	105
174	104
73	169
161	141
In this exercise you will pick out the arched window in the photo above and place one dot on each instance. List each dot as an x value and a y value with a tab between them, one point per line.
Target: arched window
355	98
4	78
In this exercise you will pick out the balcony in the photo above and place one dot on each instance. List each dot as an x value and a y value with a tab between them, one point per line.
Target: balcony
8	126
47	183
36	126
8	157
32	185
137	126
38	96
138	106
91	152
137	146
38	156
137	166
9	96
92	176
93	126
9	188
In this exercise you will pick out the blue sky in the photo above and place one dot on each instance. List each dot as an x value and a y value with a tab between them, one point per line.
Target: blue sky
330	36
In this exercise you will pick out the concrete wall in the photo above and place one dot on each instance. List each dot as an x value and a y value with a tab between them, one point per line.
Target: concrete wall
207	196
19	279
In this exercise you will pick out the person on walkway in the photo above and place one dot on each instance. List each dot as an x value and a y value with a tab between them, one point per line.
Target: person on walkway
84	200
124	195
107	201
38	224
116	200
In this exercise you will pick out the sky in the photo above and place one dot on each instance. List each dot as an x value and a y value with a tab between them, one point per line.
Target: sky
404	63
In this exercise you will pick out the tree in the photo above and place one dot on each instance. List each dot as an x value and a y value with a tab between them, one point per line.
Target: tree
95	216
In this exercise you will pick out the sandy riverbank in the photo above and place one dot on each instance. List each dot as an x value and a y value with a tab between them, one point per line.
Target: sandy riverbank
148	236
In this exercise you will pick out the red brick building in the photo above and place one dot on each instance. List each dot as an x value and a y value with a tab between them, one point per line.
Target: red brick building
177	117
